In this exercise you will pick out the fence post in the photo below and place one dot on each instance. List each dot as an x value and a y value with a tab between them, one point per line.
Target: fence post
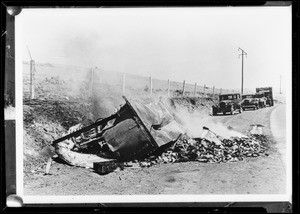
183	88
32	71
91	82
124	84
168	87
213	90
195	89
150	85
204	89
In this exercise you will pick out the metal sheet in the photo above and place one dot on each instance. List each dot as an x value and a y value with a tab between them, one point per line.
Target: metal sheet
158	115
128	137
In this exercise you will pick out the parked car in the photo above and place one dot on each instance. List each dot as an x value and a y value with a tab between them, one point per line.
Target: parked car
268	93
228	103
262	100
249	101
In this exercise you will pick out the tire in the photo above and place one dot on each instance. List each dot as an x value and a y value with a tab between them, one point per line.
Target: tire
214	112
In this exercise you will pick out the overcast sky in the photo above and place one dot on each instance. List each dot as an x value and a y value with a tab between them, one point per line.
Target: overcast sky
196	44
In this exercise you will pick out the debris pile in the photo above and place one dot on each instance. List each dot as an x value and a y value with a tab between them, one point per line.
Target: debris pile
150	135
203	150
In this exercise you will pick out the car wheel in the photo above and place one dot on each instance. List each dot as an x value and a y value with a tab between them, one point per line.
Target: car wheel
240	110
214	112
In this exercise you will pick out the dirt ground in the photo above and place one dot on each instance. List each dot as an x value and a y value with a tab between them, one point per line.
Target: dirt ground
260	175
58	107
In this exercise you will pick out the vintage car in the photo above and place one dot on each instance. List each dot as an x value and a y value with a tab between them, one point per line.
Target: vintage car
249	101
228	103
262	100
267	93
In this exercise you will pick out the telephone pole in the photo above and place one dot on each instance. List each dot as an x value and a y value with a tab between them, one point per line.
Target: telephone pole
280	86
243	53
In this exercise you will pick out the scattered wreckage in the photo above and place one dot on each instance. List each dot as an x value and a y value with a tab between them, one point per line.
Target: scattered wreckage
148	135
133	132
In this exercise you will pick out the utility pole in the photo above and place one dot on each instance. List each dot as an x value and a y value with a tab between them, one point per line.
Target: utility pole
243	53
280	86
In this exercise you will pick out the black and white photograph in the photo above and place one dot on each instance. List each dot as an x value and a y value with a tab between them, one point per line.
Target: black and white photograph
189	104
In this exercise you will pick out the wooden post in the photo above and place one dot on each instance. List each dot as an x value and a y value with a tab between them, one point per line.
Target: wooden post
150	85
168	87
124	84
183	88
213	90
204	89
91	83
195	89
32	70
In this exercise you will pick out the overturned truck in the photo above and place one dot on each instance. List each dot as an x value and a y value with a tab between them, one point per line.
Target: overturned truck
151	134
133	132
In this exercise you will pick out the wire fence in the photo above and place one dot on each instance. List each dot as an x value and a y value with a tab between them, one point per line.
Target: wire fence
125	83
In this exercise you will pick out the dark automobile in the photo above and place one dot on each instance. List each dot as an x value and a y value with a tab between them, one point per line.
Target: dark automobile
268	94
249	101
262	100
228	103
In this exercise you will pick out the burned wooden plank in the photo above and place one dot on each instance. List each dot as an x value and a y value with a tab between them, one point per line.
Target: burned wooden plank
85	129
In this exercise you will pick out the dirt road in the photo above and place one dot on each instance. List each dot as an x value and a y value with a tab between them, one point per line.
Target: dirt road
278	128
261	175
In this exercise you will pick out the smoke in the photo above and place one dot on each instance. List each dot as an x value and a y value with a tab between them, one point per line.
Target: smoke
82	49
196	120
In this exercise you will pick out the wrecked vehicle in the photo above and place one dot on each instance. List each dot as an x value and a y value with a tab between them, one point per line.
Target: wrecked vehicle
148	135
249	101
133	132
228	103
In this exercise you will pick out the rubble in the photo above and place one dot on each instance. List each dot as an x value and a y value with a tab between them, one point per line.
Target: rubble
150	135
215	150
